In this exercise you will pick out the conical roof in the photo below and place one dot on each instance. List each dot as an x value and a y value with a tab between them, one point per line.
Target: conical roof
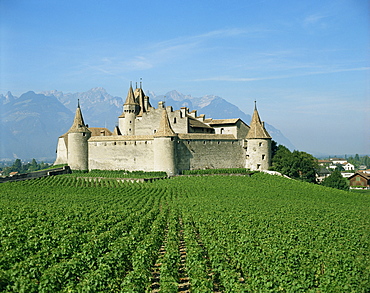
78	122
257	129
139	94
116	131
165	129
130	100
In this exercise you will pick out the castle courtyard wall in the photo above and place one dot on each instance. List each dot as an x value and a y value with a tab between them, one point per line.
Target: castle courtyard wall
205	152
193	151
121	153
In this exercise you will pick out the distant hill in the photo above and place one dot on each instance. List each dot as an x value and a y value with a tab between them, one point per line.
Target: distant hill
31	124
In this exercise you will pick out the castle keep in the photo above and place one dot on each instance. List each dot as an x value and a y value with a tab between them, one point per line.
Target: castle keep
161	139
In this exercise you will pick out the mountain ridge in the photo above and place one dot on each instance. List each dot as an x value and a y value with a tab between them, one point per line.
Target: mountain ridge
37	120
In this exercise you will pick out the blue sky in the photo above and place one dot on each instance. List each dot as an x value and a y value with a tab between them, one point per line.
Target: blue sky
305	62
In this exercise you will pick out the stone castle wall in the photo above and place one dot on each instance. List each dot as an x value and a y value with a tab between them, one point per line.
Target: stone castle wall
210	154
147	153
118	152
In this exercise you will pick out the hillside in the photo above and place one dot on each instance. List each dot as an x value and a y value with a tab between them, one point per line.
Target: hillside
209	234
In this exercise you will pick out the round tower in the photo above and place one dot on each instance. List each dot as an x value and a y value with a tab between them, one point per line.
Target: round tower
258	150
78	136
164	147
130	110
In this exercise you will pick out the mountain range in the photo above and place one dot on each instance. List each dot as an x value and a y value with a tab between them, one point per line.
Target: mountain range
30	124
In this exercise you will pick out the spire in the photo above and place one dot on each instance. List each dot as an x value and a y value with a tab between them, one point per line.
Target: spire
165	129
130	100
257	128
78	122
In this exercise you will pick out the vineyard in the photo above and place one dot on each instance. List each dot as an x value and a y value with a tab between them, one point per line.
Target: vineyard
258	233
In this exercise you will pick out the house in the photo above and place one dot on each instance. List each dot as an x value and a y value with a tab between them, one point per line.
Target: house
338	161
359	180
322	174
348	166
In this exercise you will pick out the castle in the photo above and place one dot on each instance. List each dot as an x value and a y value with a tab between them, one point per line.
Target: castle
161	139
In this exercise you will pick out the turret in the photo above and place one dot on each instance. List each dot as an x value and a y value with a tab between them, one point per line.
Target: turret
128	117
164	147
258	150
78	135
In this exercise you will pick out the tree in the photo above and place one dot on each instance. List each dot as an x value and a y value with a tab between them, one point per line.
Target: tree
17	166
33	166
336	180
274	148
296	164
339	167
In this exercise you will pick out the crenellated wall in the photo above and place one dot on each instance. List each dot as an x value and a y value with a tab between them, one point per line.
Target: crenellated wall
147	153
198	152
121	153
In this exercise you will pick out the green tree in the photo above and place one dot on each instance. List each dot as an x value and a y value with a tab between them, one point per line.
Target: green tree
274	148
339	167
296	164
336	180
17	166
33	166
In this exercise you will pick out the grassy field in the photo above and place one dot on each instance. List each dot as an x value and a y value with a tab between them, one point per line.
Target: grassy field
205	234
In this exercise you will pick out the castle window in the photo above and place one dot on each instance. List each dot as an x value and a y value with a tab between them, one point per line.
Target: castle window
263	157
188	141
130	121
222	131
129	129
258	166
247	156
172	138
154	131
174	120
114	143
204	142
260	144
83	134
218	142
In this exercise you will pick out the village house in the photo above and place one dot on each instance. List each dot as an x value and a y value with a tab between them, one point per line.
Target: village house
359	180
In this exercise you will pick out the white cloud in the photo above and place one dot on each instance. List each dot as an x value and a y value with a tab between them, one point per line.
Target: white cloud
248	79
313	19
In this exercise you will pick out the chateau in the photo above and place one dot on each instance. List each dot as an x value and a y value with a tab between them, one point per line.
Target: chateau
161	139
